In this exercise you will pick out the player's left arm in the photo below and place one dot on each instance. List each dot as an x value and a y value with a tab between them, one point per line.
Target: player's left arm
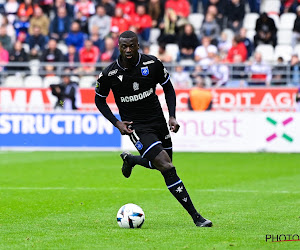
171	103
163	78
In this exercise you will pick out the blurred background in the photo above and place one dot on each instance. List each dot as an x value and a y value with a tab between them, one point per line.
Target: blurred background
234	65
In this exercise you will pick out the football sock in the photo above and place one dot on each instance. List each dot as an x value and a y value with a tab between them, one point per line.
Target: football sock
176	187
137	159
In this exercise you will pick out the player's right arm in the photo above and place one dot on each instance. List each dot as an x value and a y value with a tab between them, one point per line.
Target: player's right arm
102	91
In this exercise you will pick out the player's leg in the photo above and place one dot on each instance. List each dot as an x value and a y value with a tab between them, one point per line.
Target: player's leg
175	185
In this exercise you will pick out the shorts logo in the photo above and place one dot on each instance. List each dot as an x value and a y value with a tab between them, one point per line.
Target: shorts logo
138	145
168	136
135	86
145	71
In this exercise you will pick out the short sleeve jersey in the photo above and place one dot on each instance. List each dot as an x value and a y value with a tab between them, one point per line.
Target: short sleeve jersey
134	89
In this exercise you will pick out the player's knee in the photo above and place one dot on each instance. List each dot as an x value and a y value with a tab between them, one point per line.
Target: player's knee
163	162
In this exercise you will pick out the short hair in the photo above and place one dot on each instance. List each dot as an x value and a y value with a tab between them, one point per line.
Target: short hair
128	34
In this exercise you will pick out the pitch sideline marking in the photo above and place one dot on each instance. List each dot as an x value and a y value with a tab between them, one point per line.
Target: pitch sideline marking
148	189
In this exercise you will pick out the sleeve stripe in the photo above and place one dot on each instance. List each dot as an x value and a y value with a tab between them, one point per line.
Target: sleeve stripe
100	95
165	81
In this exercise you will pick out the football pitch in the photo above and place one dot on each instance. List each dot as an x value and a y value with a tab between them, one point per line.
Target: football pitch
69	200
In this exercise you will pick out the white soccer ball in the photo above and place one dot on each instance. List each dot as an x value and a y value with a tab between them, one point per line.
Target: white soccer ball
130	216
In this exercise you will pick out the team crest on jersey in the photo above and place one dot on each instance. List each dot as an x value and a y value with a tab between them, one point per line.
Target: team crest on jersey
145	71
139	145
135	86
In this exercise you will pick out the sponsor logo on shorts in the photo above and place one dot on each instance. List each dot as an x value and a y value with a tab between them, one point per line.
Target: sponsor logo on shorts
145	71
140	96
113	72
139	145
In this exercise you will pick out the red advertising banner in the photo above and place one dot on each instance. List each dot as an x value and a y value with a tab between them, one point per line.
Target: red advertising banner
225	99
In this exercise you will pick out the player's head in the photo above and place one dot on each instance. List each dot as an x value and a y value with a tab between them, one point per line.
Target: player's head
128	46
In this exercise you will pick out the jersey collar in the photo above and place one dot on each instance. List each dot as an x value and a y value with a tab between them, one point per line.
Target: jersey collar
124	68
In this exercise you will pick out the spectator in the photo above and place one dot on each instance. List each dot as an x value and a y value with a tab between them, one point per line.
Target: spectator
224	45
101	21
4	57
128	8
213	10
72	57
11	9
88	54
51	55
210	29
5	39
10	30
83	22
288	6
143	23
67	93
19	55
109	6
111	53
254	5
37	41
119	21
86	7
163	55
168	27
200	99
265	31
21	27
75	36
41	20
279	76
188	42
63	4
238	73
26	8
261	73
246	41
156	11
146	49
235	13
296	29
181	7
181	79
205	52
46	6
94	37
60	25
295	71
220	5
238	48
197	72
114	34
219	72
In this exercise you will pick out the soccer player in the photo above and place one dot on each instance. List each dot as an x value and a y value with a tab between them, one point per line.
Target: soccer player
133	78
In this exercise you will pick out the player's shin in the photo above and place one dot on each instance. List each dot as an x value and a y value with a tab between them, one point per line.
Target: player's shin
176	187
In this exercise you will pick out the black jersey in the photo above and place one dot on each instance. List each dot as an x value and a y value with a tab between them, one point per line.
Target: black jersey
134	89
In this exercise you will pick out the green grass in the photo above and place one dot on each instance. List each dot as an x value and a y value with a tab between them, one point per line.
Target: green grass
69	200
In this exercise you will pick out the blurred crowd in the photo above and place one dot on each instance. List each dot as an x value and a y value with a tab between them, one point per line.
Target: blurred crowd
86	31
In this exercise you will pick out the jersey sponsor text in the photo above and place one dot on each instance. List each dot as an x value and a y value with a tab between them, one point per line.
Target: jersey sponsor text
140	96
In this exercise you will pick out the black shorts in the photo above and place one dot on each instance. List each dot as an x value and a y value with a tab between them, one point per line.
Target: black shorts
150	141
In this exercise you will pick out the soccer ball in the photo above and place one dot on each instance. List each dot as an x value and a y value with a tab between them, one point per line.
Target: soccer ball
130	216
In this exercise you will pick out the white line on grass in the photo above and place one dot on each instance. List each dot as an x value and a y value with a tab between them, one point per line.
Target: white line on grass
149	189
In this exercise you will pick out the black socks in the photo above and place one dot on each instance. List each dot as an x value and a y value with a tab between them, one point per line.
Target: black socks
176	187
138	160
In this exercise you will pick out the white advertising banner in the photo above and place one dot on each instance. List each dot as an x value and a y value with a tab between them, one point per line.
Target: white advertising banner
235	132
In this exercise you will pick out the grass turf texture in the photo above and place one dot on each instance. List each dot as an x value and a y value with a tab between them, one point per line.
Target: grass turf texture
69	200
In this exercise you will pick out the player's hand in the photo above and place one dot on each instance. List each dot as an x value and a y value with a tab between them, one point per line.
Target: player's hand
174	125
124	127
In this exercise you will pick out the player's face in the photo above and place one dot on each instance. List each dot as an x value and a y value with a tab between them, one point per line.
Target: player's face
128	49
